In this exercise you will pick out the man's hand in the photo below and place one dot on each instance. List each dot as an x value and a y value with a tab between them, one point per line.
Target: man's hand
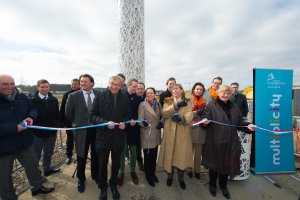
29	121
132	122
122	126
20	128
112	125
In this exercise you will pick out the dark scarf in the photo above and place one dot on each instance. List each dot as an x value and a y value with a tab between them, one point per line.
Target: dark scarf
226	107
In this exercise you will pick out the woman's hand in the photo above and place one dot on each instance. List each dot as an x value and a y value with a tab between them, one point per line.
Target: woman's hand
251	127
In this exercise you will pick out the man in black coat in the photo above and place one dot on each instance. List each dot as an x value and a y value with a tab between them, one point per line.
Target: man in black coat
110	106
16	141
65	122
132	132
239	99
168	93
48	116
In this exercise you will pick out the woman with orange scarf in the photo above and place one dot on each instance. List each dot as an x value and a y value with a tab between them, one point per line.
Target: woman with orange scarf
198	133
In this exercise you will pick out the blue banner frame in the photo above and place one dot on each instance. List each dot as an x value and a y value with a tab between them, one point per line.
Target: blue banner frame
274	153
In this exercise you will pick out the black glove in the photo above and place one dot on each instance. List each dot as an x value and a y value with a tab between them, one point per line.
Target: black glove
180	104
178	119
160	125
199	112
145	124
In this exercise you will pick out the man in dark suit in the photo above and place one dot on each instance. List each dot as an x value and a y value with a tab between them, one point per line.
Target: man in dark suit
78	107
110	106
75	85
48	116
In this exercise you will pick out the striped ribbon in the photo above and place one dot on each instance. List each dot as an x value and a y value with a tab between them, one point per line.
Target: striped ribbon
77	128
257	127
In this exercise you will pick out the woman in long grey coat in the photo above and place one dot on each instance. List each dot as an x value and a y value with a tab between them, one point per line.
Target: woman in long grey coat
222	150
150	109
198	133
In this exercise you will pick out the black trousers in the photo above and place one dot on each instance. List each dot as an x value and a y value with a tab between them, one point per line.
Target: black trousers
81	162
150	156
213	175
103	156
139	153
70	144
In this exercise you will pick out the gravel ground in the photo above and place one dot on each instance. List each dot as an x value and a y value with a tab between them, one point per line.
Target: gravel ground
20	180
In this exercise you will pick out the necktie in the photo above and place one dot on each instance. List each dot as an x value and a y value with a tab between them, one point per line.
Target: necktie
89	101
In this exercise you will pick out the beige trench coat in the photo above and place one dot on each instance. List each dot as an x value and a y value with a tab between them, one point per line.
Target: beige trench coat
176	145
149	141
198	133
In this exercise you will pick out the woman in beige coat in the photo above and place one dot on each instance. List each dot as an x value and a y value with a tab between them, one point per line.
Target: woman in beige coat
150	109
176	146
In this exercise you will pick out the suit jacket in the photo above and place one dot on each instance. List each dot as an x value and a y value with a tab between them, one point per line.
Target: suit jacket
78	113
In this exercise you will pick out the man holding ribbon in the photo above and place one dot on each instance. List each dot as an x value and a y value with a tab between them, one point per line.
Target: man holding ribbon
78	107
16	141
112	107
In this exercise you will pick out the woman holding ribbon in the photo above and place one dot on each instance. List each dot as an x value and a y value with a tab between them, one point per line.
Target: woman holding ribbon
150	110
222	150
176	146
198	133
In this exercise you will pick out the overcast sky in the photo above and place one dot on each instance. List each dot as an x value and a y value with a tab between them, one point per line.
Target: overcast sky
192	40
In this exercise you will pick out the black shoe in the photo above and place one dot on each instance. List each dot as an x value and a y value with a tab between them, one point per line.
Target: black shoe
103	194
41	190
182	185
169	182
150	181
68	160
81	186
213	190
154	178
115	194
51	171
226	193
197	175
190	174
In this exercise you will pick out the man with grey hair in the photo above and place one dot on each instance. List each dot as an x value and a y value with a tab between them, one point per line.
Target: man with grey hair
110	106
16	140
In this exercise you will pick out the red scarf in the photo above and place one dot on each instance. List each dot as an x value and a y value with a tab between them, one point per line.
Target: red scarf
198	102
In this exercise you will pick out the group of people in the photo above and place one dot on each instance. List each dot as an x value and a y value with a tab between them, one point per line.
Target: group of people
165	122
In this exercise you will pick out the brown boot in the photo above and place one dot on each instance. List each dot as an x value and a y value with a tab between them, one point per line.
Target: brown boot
120	179
135	178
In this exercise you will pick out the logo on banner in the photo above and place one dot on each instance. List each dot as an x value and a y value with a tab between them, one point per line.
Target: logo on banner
272	82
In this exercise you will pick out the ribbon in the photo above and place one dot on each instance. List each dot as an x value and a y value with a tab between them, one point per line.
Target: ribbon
264	129
24	123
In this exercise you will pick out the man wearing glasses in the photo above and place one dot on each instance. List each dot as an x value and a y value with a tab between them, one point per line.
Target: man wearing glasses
211	93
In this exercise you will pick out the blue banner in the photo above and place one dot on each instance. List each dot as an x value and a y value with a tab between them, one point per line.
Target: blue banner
274	153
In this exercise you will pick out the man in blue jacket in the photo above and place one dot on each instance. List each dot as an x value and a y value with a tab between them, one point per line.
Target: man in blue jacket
16	141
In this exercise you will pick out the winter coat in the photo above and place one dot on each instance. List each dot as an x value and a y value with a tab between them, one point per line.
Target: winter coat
152	139
222	148
198	133
242	103
107	107
63	120
12	113
164	95
133	132
48	114
176	145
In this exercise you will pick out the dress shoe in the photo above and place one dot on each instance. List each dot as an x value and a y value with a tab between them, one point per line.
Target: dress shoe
41	190
197	175
154	178
150	181
51	171
115	193
135	178
226	193
81	186
213	190
182	185
68	160
103	194
169	182
120	179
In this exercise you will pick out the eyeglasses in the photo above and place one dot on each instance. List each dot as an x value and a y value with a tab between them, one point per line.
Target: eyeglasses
217	83
114	84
